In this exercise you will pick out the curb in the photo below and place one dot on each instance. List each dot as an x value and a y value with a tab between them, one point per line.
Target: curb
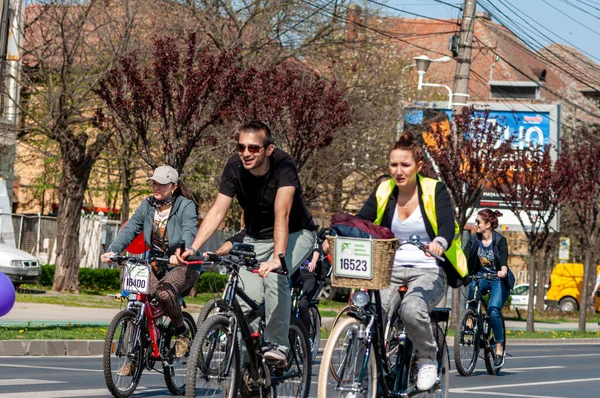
51	347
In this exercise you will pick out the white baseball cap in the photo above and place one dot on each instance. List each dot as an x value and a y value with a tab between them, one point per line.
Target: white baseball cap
165	175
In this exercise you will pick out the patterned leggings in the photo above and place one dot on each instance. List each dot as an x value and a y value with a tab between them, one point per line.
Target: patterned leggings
168	290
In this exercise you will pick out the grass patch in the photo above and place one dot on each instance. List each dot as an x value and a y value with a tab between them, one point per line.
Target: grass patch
69	332
550	334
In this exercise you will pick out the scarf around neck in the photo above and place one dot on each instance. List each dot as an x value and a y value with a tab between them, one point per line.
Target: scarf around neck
158	203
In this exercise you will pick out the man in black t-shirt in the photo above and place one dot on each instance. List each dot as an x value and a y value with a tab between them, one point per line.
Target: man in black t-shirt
265	181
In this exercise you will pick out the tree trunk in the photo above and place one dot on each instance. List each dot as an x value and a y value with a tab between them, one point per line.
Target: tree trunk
76	169
530	307
585	290
126	186
456	309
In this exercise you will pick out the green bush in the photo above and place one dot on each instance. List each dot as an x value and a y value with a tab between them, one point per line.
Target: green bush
108	279
47	276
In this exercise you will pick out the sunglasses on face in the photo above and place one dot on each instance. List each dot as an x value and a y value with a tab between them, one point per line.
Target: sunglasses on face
252	148
477	222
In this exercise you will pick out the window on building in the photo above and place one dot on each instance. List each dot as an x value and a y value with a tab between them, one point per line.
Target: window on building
515	90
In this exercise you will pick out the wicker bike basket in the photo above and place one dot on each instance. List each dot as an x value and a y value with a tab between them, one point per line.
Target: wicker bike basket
382	258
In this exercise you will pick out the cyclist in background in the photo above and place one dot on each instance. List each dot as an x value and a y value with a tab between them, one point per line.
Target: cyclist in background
165	218
487	252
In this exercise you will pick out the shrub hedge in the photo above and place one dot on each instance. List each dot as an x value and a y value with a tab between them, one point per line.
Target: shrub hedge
108	279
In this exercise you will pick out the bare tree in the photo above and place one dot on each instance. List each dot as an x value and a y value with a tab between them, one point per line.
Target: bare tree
581	175
68	46
534	190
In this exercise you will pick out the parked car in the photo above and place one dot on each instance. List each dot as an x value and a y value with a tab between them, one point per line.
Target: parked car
19	266
520	296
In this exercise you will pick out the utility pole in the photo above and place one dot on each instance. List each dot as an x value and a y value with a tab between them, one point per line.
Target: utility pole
463	60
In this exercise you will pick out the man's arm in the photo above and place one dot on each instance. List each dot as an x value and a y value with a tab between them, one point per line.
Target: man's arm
209	225
283	206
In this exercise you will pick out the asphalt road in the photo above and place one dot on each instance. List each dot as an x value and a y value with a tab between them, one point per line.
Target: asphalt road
533	371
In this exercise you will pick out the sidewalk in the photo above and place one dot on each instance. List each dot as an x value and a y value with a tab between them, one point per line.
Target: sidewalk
23	314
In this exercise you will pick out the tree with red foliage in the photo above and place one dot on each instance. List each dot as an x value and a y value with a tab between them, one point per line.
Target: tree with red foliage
173	103
581	175
303	110
467	161
534	190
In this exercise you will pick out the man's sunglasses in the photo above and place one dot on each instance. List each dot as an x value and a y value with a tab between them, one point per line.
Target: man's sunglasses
252	148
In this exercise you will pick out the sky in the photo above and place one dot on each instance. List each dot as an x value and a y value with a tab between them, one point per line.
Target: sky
539	22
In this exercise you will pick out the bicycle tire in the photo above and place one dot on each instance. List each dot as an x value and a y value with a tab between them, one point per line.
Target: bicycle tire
441	388
209	309
344	344
175	371
201	373
123	386
341	314
299	362
314	332
490	351
392	332
466	343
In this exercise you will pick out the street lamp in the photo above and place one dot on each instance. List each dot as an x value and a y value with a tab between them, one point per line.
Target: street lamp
422	62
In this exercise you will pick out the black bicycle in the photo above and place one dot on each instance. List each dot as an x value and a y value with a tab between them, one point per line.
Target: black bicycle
215	367
314	328
364	359
473	333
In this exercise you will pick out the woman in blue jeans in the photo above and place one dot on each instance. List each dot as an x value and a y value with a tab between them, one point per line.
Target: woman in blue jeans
487	252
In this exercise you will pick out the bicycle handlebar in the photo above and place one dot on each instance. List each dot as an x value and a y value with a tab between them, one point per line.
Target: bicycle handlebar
415	240
213	259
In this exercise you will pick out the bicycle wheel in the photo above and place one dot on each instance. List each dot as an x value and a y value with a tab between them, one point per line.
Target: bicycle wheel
207	372
314	334
212	307
341	314
490	351
442	386
120	352
466	342
352	357
294	380
174	369
393	330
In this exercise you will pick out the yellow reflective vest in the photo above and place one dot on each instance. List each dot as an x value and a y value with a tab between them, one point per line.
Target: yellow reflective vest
454	254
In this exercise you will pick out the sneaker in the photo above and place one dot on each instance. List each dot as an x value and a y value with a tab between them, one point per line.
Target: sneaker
127	369
498	360
427	374
181	346
276	356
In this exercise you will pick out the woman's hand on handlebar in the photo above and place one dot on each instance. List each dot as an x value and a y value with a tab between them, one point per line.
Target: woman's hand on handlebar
182	256
107	257
268	266
435	248
502	273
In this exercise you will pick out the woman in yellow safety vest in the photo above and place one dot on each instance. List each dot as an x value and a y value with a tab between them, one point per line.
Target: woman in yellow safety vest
411	204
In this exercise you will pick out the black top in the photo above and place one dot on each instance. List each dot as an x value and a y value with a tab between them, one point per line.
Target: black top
256	195
499	247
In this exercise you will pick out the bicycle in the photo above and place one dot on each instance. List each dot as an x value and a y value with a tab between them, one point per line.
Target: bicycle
314	328
214	368
469	339
140	336
365	359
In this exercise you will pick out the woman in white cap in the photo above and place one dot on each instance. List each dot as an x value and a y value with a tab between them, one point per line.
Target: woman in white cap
166	218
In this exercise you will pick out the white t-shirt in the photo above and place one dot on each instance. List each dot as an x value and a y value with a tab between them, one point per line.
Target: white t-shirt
409	255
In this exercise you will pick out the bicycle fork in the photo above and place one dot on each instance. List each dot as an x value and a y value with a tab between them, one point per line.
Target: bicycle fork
362	333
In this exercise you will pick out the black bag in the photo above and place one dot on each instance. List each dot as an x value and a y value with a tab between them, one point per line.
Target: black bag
510	279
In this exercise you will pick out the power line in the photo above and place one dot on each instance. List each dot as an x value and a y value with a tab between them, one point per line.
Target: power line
373	29
408	12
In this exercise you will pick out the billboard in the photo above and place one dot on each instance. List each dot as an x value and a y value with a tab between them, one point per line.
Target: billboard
528	124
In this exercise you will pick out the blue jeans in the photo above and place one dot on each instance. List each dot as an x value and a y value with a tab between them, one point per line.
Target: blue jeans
499	293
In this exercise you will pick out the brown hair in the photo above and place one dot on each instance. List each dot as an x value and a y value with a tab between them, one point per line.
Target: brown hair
255	126
408	143
491	216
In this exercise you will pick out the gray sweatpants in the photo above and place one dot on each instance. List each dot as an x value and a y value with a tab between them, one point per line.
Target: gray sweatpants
426	288
274	290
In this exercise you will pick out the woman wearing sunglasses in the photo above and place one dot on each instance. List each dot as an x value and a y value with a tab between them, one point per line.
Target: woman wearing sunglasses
487	253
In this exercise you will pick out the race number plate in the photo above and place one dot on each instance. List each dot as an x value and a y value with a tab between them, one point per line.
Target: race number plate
137	279
353	258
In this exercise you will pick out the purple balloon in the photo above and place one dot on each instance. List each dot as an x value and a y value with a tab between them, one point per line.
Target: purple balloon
7	295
